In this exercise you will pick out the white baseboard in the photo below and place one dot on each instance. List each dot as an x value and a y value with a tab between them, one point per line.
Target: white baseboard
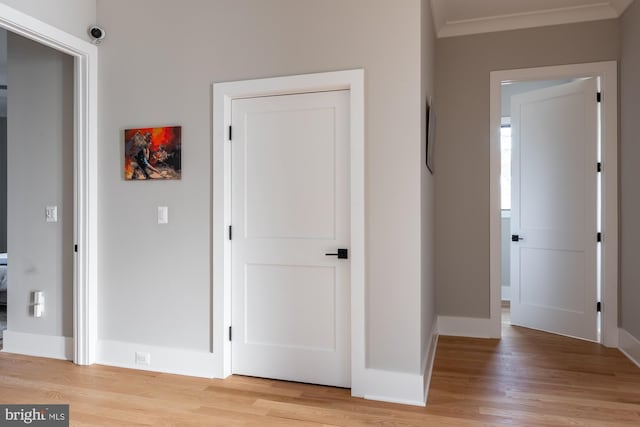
629	345
402	387
395	387
465	327
427	364
163	359
54	347
506	293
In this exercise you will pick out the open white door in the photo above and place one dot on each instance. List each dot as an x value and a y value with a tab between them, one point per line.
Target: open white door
554	209
290	209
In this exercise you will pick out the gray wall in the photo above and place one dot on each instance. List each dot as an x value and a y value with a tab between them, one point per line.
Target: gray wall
427	215
463	65
72	16
40	173
629	171
155	281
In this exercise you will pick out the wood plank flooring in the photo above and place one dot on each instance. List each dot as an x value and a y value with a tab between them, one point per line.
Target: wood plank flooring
528	378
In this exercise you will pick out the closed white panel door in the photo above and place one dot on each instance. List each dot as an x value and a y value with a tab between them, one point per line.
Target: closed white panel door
554	209
290	207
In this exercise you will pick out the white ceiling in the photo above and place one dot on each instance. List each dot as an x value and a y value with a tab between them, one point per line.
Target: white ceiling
460	17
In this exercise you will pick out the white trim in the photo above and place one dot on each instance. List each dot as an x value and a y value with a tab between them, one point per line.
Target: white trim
538	18
466	327
395	387
85	171
505	293
607	71
223	94
163	359
54	347
427	364
629	346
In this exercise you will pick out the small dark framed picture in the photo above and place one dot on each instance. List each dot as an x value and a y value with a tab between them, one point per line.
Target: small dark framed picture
430	135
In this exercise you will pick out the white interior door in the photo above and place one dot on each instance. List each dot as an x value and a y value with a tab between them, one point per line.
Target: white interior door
554	209
290	207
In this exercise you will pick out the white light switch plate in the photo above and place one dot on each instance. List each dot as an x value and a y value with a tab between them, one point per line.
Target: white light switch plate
51	214
163	215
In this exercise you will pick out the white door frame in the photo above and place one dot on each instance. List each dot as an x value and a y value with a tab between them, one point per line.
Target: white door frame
607	71
85	302
223	94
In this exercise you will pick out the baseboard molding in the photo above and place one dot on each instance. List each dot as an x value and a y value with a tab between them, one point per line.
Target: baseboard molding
465	327
401	387
163	359
395	387
427	364
506	293
629	346
51	346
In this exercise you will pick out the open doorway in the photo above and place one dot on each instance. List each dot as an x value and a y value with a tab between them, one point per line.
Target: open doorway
83	346
509	90
36	193
565	177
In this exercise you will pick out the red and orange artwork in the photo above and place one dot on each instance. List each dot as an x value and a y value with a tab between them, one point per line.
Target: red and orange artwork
153	153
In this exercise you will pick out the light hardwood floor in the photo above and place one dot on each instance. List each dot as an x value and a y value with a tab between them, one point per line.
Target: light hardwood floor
528	378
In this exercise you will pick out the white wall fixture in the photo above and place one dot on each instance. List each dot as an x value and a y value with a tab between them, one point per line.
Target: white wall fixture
38	304
51	214
163	215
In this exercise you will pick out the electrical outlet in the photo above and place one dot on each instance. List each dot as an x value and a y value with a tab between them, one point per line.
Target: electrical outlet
143	358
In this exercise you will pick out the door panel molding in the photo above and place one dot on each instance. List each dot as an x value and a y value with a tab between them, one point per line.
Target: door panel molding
607	71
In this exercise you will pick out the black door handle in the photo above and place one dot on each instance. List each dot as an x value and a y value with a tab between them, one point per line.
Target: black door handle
515	238
342	254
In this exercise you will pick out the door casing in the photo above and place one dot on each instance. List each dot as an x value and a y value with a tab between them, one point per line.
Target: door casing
223	94
85	274
607	71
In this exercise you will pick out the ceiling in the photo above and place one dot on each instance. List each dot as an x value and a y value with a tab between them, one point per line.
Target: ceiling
460	17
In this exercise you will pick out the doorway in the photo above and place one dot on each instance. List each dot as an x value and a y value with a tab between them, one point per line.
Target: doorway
84	343
290	213
605	74
224	95
549	192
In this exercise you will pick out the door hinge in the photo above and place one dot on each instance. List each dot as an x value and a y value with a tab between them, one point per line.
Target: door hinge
598	237
230	133
599	97
75	248
230	333
599	307
599	167
230	232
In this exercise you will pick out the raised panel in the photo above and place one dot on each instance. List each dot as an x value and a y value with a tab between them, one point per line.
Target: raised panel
558	285
290	174
551	159
290	306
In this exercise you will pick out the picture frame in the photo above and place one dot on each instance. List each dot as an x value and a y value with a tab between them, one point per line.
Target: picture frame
153	153
430	135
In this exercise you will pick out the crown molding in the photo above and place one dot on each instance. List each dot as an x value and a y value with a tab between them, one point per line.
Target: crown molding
540	18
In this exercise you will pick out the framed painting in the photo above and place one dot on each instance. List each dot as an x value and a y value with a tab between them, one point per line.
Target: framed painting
153	153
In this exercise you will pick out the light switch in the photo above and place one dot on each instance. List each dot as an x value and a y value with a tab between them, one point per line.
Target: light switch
51	214
163	215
